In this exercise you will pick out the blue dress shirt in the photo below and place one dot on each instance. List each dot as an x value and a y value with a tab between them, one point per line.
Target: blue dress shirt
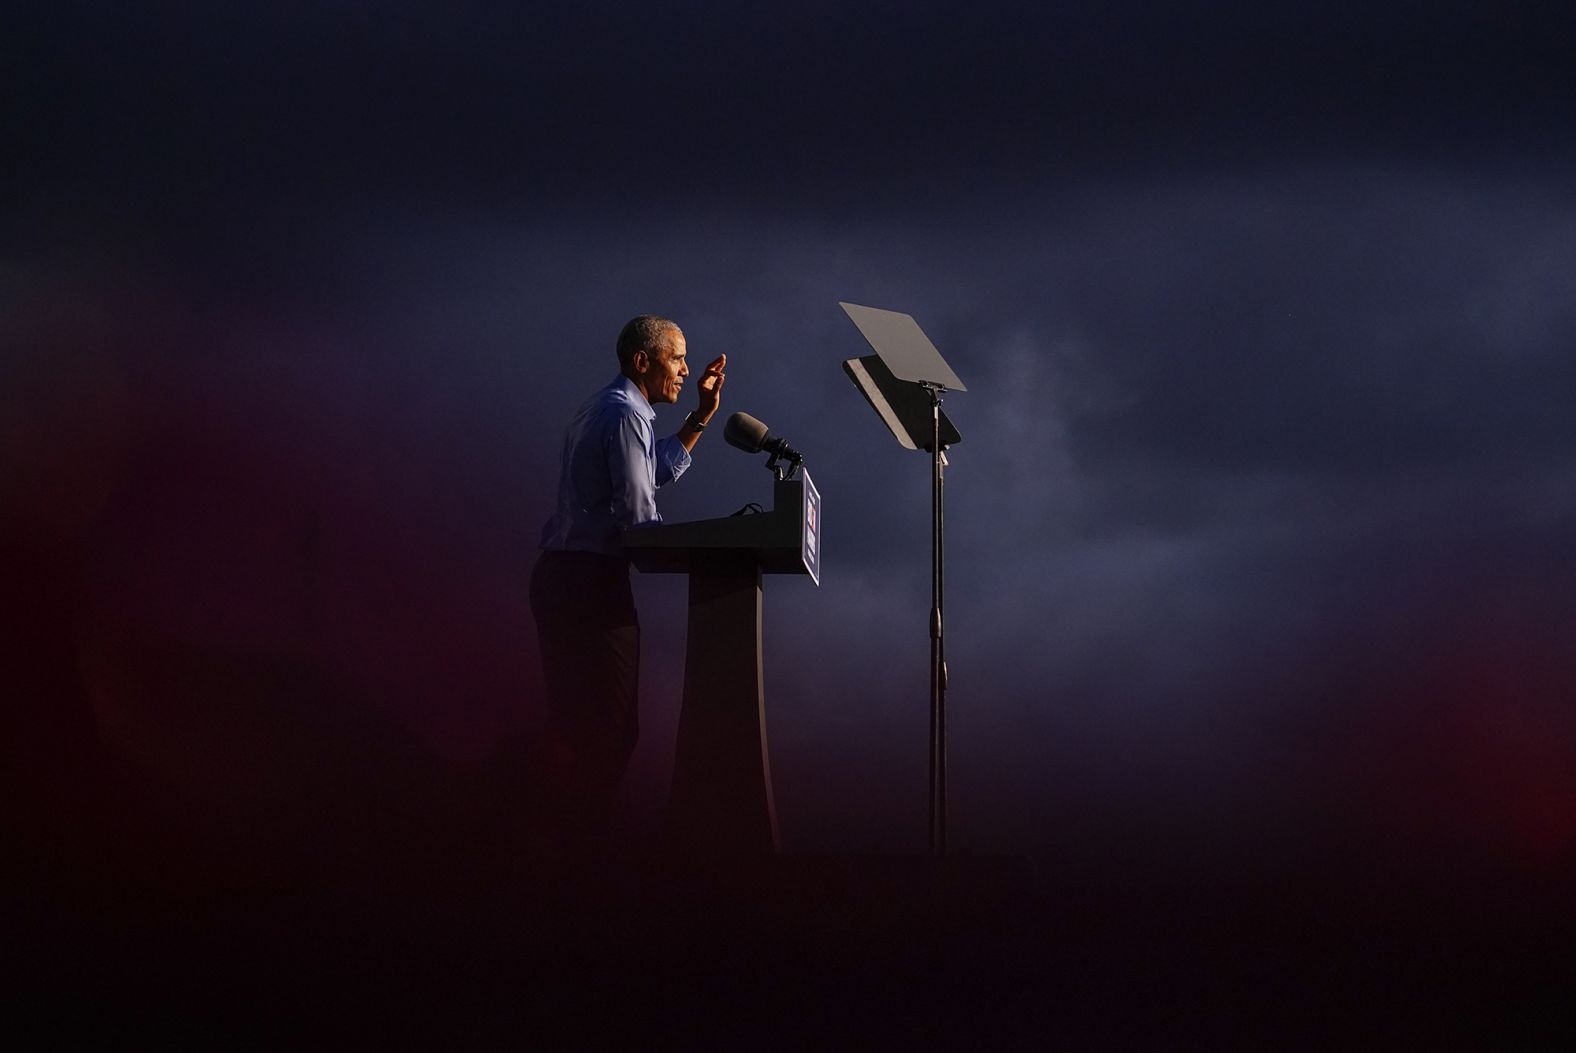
610	470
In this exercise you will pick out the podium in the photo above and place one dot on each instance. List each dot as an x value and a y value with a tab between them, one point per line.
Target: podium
721	801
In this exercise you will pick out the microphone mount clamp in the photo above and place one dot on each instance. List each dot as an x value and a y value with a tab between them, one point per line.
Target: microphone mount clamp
778	471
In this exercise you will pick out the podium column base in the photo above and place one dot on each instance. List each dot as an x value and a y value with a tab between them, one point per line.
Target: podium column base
722	786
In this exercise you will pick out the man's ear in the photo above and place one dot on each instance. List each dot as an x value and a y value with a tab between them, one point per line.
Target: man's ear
640	361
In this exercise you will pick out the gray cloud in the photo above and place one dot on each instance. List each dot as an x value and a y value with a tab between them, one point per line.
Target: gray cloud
1266	322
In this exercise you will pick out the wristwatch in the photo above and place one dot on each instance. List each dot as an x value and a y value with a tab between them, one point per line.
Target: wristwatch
695	422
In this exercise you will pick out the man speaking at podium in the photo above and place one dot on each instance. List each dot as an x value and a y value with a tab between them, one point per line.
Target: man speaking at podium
611	467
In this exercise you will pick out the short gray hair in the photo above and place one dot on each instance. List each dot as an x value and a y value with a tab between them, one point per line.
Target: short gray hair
642	333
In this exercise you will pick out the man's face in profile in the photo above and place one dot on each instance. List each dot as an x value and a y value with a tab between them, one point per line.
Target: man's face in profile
665	375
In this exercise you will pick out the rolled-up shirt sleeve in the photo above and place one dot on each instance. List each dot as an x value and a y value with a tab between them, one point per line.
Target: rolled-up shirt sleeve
630	467
672	458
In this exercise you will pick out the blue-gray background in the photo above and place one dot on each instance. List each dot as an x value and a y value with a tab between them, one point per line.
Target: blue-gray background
1261	535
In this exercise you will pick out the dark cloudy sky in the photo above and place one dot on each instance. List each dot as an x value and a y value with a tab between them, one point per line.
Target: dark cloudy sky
1263	529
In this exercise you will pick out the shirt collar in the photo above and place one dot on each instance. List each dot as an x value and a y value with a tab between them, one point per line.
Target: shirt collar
636	399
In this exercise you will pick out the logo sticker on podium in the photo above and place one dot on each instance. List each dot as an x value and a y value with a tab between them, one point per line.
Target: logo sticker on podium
811	548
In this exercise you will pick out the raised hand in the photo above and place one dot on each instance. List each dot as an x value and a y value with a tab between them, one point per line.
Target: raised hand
710	387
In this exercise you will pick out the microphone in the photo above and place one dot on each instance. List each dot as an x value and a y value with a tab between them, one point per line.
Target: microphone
751	436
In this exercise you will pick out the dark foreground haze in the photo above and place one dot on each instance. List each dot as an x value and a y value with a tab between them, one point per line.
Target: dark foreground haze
1261	538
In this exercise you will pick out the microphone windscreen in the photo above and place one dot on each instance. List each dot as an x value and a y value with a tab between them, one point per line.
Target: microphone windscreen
745	432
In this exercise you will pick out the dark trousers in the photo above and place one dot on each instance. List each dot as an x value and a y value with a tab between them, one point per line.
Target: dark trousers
590	642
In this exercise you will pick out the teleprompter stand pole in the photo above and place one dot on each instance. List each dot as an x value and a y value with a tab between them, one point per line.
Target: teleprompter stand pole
938	651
